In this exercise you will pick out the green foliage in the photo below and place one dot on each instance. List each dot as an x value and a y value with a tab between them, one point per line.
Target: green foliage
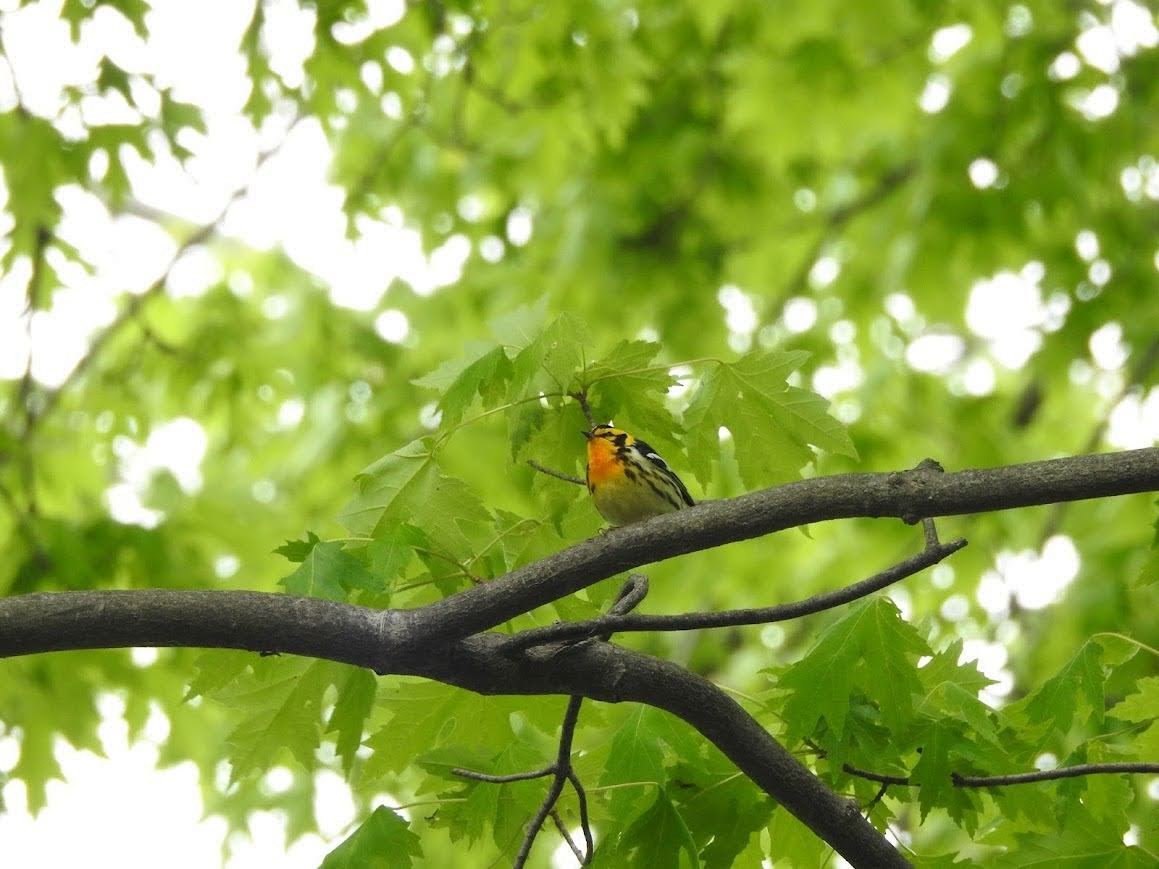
729	229
383	841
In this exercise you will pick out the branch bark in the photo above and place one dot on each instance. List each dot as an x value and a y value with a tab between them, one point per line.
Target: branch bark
908	495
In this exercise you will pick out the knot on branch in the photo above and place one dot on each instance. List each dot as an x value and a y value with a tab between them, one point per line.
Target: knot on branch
913	482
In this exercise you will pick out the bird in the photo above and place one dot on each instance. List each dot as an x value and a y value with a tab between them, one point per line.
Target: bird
628	480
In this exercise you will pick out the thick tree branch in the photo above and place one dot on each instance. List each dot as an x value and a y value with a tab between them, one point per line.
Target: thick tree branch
368	638
910	495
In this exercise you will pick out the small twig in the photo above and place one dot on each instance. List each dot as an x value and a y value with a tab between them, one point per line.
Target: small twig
877	798
733	618
884	779
970	781
503	779
563	832
450	560
989	781
582	399
631	593
559	475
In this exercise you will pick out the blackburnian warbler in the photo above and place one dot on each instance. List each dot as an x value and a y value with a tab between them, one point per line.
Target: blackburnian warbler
628	480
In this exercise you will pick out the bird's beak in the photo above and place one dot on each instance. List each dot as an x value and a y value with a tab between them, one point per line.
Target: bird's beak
586	434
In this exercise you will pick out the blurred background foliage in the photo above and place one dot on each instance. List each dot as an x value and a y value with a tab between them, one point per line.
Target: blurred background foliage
249	248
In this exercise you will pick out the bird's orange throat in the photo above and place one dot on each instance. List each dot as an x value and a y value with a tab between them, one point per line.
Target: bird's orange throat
601	461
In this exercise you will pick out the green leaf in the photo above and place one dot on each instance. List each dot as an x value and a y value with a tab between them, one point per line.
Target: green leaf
636	757
659	837
216	668
932	774
793	842
872	652
723	810
382	841
391	553
551	362
1084	841
1143	705
355	700
505	808
283	715
329	571
408	487
772	424
483	373
1075	690
298	550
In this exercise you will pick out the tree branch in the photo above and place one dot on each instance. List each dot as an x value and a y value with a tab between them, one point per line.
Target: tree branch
377	640
731	618
1018	778
910	495
989	781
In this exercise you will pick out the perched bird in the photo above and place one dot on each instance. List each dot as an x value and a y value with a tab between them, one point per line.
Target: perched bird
628	480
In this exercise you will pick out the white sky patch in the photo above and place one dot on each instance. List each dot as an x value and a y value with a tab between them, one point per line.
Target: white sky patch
935	353
901	307
177	446
194	272
1097	103
1019	21
991	661
955	608
1065	67
1007	310
520	225
1097	47
739	314
1133	27
684	380
805	199
290	413
824	272
334	809
150	811
1037	580
225	566
935	96
948	41
400	60
1100	272
983	173
392	325
1086	244
979	379
829	380
492	248
799	314
1107	348
1134	422
993	595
